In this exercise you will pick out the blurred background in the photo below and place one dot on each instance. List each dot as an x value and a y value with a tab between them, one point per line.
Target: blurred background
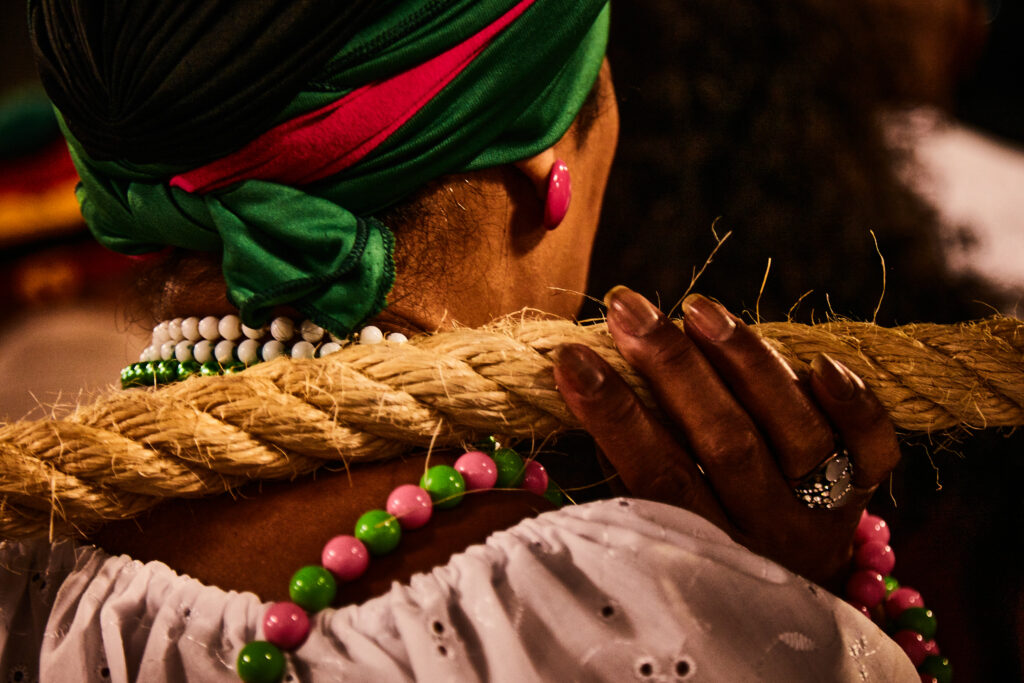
821	135
801	126
62	333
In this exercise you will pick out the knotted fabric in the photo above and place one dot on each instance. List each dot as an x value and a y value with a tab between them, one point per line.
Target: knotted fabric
411	90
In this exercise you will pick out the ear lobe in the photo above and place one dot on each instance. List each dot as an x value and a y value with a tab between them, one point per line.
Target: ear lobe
537	169
550	178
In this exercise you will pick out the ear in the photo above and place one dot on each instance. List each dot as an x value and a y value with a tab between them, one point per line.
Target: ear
537	169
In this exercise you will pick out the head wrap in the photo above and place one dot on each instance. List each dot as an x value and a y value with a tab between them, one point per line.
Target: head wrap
415	89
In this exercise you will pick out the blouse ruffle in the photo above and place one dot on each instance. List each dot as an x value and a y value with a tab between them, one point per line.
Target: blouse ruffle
615	590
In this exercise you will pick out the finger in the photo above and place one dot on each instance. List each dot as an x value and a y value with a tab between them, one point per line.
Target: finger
721	435
860	420
764	384
649	460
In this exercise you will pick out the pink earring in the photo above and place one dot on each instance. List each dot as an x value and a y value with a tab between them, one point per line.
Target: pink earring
556	205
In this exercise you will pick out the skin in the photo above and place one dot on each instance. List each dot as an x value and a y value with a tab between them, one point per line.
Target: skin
735	409
492	217
256	540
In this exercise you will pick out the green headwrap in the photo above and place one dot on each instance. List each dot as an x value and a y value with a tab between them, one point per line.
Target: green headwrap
315	246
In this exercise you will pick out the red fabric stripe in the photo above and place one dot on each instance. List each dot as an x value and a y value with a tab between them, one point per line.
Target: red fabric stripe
326	141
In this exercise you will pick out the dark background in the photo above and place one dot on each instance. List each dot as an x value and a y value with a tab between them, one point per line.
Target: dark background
16	65
764	117
992	97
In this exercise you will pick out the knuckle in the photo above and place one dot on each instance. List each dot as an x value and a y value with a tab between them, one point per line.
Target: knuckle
689	497
811	443
797	465
618	411
867	414
672	485
673	351
814	452
736	449
875	415
751	361
764	360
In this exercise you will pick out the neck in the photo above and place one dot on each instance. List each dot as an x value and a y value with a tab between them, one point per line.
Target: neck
191	285
471	252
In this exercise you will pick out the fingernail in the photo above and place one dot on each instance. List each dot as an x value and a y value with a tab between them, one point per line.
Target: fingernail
836	377
578	368
708	317
631	311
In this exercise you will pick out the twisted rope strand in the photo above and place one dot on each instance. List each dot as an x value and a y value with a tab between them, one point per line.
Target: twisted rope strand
128	450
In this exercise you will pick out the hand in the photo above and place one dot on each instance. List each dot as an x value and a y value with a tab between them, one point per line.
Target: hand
739	412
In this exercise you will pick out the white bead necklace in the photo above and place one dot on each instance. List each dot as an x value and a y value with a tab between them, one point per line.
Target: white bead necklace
210	345
227	340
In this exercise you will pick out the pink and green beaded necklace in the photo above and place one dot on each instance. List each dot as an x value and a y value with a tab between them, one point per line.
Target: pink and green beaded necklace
378	532
871	588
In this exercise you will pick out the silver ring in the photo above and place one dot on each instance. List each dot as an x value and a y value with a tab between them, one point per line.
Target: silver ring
828	484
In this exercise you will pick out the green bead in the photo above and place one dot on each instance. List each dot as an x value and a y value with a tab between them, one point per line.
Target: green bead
233	368
891	584
165	371
130	376
488	445
554	495
209	368
187	369
147	374
511	468
260	662
445	486
312	588
379	531
919	620
937	666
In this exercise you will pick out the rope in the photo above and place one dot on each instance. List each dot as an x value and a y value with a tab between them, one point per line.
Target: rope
128	450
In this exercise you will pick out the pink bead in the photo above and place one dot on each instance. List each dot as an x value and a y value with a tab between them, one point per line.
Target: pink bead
866	587
875	555
913	644
535	478
559	195
286	625
410	505
871	528
926	678
346	557
478	469
931	648
900	599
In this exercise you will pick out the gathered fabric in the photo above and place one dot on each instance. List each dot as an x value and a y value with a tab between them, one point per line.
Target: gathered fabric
423	89
609	591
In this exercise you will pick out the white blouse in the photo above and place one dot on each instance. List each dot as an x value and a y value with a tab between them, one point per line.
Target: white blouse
616	590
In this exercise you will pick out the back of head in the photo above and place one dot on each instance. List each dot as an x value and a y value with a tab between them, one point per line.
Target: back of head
183	82
271	133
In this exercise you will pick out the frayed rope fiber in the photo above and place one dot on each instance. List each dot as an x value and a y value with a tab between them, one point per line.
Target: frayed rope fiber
128	450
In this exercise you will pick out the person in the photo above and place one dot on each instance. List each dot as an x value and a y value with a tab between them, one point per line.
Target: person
405	164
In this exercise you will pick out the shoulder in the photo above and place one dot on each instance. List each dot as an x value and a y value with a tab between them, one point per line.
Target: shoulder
257	539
